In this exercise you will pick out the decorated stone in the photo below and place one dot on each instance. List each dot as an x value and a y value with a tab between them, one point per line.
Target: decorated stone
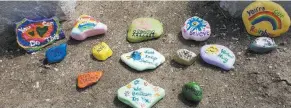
33	35
56	54
196	29
192	91
140	94
218	55
265	18
143	59
185	57
101	51
87	26
142	29
263	45
88	79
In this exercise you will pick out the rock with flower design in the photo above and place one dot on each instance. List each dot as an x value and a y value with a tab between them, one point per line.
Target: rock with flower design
142	29
140	94
87	26
143	59
263	45
196	29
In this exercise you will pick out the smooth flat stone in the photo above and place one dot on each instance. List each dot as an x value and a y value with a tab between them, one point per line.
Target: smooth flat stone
87	26
265	18
263	45
143	59
142	29
140	94
101	51
196	29
88	79
56	54
218	55
192	91
185	57
33	35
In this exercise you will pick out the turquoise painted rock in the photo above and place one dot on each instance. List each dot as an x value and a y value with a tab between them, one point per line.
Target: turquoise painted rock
192	92
185	57
218	55
143	59
56	54
142	29
263	45
140	94
196	28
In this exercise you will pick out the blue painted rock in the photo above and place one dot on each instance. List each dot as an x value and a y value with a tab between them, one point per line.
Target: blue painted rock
263	45
56	54
185	57
196	29
143	58
33	35
218	55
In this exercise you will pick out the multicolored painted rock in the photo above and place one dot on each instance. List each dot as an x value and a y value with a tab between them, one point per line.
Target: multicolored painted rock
192	91
263	45
140	94
218	55
196	29
265	18
56	54
142	29
184	56
143	58
87	26
88	79
33	35
101	51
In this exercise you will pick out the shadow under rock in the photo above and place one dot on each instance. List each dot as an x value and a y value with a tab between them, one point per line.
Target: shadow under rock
186	102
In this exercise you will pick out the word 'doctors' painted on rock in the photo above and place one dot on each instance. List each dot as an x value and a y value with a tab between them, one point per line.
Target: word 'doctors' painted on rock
265	19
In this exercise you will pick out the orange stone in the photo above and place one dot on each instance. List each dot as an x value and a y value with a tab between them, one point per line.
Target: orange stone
89	78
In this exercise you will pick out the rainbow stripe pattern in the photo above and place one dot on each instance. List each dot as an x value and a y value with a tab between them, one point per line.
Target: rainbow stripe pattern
266	16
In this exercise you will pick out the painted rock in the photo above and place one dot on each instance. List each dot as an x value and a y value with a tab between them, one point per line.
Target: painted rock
56	54
192	91
142	29
33	35
101	51
265	18
218	55
184	56
262	45
88	79
140	94
196	29
87	26
143	58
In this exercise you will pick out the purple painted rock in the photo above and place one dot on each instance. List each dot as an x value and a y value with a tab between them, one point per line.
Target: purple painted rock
196	29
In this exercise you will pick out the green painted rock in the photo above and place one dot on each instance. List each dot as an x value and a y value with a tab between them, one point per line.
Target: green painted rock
263	45
184	56
142	29
192	91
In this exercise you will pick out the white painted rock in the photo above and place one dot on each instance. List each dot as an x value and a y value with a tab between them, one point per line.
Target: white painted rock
196	28
263	45
218	55
140	94
143	58
184	56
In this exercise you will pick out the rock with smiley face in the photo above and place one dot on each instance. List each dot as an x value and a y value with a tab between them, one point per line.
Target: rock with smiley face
196	29
218	55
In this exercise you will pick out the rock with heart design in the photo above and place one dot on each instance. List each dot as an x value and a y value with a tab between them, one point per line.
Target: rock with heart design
143	59
192	91
140	94
56	54
263	45
196	29
185	57
101	51
33	35
88	79
218	55
142	29
87	26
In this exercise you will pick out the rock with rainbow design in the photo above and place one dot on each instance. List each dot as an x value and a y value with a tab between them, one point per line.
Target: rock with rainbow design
265	18
196	29
87	26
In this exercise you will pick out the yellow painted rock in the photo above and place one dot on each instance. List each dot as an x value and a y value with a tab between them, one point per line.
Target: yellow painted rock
101	51
265	18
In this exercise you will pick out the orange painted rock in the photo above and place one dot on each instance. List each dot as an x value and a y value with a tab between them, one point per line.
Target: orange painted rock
89	78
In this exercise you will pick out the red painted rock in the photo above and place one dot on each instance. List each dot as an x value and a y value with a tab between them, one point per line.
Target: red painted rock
89	78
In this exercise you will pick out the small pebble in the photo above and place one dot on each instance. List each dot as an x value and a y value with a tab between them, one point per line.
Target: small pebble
101	51
192	92
196	29
56	54
88	79
185	57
